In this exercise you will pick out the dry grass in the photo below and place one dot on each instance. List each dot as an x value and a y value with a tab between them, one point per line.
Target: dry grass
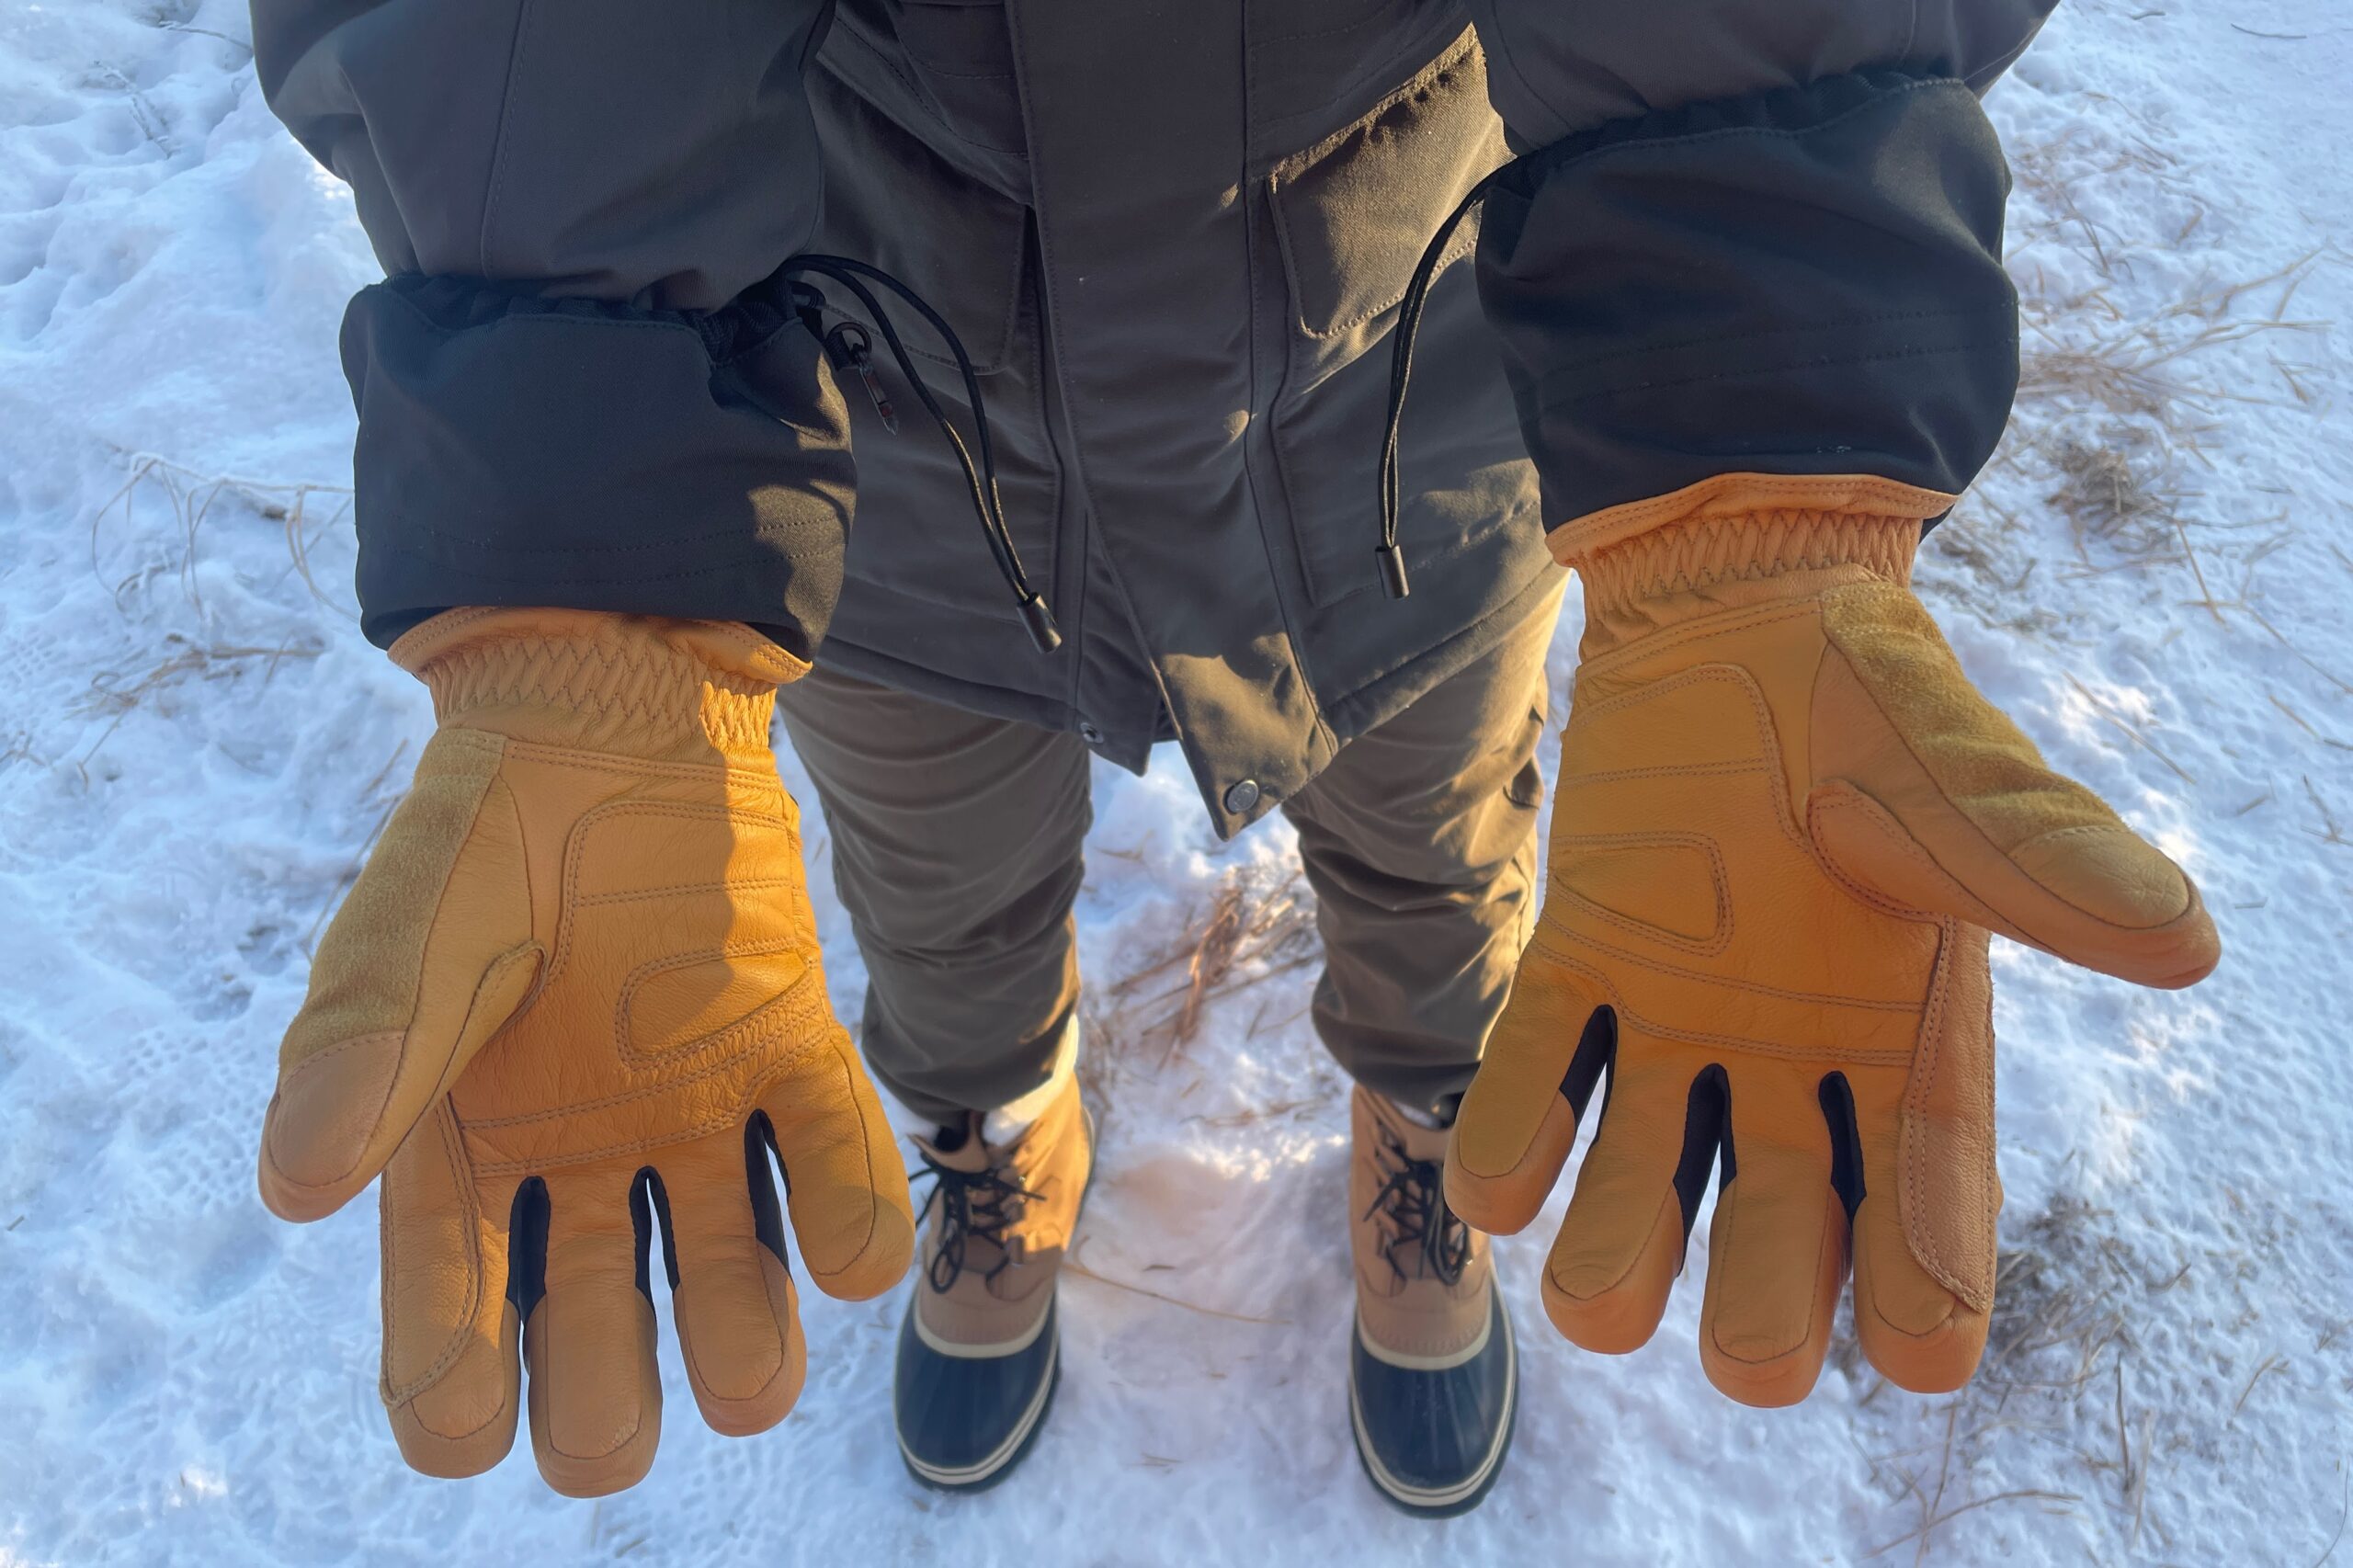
116	695
1257	924
2116	411
2082	348
304	510
2064	1297
2063	1387
2117	490
2113	424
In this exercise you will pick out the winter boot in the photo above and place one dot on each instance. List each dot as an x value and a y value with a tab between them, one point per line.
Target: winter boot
977	1353
1433	1380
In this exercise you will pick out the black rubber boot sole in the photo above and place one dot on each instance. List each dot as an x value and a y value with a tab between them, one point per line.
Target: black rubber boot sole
1417	1501
1003	1467
1442	1510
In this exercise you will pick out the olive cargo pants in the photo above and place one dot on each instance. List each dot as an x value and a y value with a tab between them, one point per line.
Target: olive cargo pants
957	849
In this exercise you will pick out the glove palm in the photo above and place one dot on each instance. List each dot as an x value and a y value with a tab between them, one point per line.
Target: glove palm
1785	824
578	984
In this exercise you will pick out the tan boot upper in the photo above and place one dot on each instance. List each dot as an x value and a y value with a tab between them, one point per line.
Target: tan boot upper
1000	1217
1423	1276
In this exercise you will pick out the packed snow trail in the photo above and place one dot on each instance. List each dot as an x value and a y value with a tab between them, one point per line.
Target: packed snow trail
195	747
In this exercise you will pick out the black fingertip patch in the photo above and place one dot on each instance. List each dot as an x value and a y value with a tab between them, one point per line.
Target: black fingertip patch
767	1215
647	1197
1846	1143
526	1248
1707	1127
1596	1051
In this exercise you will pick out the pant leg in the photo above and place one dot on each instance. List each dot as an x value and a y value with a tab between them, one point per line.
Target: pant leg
1419	840
956	851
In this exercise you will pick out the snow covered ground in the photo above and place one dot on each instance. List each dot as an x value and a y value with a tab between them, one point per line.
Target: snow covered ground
195	747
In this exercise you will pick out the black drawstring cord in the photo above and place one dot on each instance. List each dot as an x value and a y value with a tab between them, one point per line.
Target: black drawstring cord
981	482
1400	365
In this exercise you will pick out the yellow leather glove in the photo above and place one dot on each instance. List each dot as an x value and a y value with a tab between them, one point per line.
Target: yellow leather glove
577	987
1786	823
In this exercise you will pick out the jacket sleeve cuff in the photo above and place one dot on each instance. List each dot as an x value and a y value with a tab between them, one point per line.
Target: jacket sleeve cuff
1802	282
516	450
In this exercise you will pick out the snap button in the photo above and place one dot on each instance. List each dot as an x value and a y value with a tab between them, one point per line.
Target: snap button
1242	796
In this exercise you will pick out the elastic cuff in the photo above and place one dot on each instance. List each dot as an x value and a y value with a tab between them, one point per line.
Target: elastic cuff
642	686
1645	563
1729	497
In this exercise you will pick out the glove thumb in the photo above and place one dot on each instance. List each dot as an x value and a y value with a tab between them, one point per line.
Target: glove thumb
1928	797
426	960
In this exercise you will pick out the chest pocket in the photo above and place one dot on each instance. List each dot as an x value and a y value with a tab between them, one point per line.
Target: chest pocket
954	58
894	200
1350	217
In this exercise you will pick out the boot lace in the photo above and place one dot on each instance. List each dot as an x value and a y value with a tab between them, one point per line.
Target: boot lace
1412	1204
974	1206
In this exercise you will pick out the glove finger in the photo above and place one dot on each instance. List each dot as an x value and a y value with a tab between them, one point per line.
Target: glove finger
843	1181
1911	1326
430	954
1777	1247
739	1327
1935	800
1930	1198
1614	1263
453	1387
1518	1119
595	1398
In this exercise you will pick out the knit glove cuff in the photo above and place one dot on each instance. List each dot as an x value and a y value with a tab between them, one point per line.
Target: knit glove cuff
638	685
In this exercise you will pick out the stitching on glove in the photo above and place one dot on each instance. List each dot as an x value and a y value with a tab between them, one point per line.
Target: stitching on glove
1917	1234
1552	1273
600	672
2010	927
600	900
745	1104
694	1363
2079	831
866	1140
299	1068
1994	1187
1753	987
1693	1036
716	1121
763	780
1986	917
469	1221
1671	637
1721	883
619	1441
1768	736
1633	775
576	848
1813	1307
375	1123
714	1038
1838	796
1690	553
1634	516
802	1009
471	740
